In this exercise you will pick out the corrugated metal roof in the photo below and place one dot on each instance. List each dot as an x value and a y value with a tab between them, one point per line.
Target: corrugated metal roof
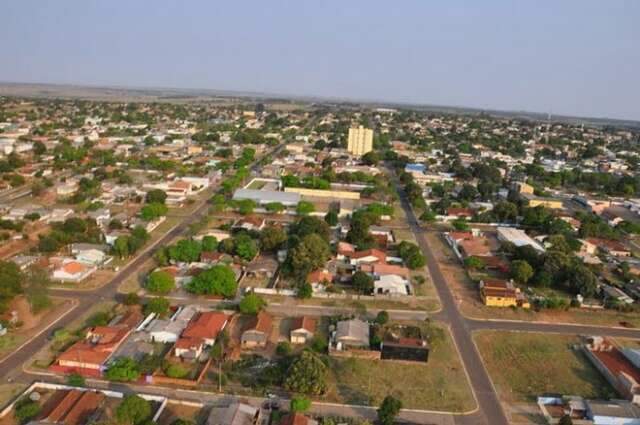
266	196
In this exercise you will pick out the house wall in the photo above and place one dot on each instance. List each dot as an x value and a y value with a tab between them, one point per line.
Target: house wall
499	301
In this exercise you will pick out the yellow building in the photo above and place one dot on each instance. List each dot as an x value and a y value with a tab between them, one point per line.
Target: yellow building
536	201
523	187
499	293
319	193
360	141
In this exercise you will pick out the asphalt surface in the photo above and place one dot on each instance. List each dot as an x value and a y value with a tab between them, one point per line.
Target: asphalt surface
490	410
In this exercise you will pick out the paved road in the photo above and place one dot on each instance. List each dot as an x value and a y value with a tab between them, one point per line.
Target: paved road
491	412
285	309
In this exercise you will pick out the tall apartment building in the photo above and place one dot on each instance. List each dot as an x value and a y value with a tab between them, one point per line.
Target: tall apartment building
360	141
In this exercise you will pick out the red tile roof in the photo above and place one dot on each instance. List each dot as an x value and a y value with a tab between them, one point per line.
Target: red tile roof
188	343
206	325
262	322
304	322
294	419
380	255
83	352
83	408
319	276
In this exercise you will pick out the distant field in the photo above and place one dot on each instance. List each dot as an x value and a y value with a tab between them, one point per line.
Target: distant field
523	366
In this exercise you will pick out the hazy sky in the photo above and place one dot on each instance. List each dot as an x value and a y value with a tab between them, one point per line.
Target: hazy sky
575	57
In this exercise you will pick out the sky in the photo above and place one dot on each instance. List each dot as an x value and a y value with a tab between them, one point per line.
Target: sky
577	57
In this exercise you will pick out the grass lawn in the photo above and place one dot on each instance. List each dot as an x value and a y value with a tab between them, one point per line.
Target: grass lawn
440	384
9	342
523	366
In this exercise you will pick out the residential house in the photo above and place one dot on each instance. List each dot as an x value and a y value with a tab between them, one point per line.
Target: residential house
73	271
404	348
206	326
352	333
89	356
258	332
391	284
235	414
189	348
168	331
297	419
368	256
611	247
518	238
319	278
262	267
302	330
616	294
58	215
502	293
250	223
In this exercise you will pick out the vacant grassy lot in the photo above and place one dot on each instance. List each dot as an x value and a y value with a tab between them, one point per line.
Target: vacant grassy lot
523	366
440	384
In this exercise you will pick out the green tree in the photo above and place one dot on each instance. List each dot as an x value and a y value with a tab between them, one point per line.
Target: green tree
25	410
460	224
121	246
12	280
218	280
175	370
331	218
299	404
245	247
252	303
310	254
160	282
305	290
157	305
307	375
521	271
133	410
362	282
388	410
75	380
186	250
371	158
246	206
123	369
150	212
382	318
582	281
156	196
275	207
132	298
272	238
428	216
305	208
565	420
474	263
209	243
